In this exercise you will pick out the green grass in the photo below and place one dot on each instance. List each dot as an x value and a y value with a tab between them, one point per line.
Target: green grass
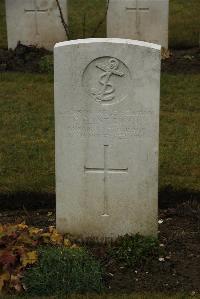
134	251
3	32
179	132
184	21
63	271
93	11
27	133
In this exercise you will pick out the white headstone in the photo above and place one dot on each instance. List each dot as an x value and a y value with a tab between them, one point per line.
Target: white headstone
145	20
107	94
35	22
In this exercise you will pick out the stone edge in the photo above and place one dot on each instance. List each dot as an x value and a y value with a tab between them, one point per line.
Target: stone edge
108	40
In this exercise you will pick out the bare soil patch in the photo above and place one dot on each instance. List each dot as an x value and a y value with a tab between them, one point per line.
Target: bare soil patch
22	59
183	61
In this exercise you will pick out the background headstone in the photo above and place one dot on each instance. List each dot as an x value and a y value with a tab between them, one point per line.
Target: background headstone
35	22
107	95
145	20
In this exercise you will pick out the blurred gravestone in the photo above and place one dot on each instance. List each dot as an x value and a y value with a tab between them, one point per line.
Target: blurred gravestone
145	20
35	22
107	94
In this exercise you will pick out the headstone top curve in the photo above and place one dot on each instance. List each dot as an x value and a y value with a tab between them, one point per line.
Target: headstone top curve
109	40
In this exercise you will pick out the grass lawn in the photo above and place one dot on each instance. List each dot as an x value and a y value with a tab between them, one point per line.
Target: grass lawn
184	21
27	132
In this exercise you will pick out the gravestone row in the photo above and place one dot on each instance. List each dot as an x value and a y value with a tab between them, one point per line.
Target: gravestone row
38	22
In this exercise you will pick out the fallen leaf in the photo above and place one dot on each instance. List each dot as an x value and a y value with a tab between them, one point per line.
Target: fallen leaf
67	243
29	258
4	277
46	237
56	238
22	226
51	229
25	239
16	283
7	258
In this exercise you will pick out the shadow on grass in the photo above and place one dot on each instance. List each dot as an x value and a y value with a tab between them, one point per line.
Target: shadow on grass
168	198
29	201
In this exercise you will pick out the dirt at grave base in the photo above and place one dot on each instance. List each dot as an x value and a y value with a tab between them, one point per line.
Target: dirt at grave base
22	59
27	59
179	232
182	61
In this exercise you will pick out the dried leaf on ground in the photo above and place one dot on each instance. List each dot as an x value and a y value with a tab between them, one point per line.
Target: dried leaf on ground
29	258
3	278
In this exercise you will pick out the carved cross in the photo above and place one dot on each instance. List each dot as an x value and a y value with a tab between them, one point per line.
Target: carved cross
106	170
35	11
137	9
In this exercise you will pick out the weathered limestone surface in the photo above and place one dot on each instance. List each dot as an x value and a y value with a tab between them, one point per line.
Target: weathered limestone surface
145	20
107	94
35	22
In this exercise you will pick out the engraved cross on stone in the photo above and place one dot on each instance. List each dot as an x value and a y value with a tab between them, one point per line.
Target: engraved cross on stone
106	170
137	9
35	11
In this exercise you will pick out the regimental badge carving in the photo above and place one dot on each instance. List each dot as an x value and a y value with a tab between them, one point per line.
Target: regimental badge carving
106	80
106	92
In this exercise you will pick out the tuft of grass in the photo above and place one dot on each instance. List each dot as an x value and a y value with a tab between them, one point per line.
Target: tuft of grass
133	251
63	271
46	64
